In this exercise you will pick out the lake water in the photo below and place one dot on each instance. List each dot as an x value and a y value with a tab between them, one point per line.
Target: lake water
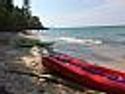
98	45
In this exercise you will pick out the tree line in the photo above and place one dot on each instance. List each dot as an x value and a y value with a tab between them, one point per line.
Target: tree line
12	16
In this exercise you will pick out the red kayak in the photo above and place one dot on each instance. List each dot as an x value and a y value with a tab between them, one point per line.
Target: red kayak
88	75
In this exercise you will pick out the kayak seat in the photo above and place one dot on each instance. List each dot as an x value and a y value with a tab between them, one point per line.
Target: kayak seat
115	78
111	77
92	70
121	79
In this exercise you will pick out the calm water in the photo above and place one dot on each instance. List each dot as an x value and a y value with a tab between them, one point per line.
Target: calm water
100	45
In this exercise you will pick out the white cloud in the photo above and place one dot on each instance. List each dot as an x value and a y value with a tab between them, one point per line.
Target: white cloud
110	13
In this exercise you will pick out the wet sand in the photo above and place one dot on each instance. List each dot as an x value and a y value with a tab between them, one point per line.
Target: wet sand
111	57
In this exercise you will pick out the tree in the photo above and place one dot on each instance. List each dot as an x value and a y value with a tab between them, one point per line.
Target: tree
26	8
26	4
9	5
35	21
15	17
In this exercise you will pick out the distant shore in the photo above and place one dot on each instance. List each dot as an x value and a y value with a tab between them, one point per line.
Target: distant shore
19	29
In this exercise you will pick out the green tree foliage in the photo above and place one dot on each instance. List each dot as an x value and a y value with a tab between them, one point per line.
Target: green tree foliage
35	21
9	5
14	17
26	4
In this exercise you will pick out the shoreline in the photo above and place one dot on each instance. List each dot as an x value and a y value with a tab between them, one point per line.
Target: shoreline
16	67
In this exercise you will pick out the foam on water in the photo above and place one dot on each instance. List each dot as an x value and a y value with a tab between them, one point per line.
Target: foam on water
81	41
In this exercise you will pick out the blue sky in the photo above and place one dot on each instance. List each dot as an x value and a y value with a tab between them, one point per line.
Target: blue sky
75	13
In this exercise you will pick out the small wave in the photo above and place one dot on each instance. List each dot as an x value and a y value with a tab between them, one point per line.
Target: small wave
81	41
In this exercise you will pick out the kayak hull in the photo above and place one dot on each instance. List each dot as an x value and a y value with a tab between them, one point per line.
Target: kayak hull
76	70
